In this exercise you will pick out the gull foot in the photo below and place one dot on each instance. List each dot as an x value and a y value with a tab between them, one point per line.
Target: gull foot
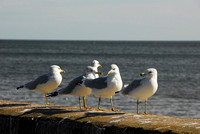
114	110
86	107
100	109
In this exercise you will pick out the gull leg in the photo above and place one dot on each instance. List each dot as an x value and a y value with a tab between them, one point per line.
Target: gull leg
138	107
84	103
80	102
99	103
46	96
111	104
145	112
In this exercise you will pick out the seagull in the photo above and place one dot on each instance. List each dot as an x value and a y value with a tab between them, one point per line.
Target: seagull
75	87
45	83
96	64
105	87
142	89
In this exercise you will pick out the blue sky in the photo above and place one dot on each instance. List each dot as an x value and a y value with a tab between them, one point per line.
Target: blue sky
100	19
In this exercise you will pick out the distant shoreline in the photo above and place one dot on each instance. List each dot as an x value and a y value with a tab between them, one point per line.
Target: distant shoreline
57	40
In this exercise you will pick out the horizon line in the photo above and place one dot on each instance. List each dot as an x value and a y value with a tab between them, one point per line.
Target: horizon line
99	40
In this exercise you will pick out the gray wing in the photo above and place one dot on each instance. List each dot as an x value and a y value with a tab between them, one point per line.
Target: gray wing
72	84
40	80
98	83
134	85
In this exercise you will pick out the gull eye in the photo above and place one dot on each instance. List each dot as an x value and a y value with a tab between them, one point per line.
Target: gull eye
150	72
113	68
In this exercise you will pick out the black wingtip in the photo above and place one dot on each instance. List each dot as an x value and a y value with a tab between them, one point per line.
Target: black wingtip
117	92
53	94
20	87
79	83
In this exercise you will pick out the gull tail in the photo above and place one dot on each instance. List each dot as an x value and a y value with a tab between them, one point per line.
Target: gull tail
22	86
117	92
79	83
126	85
53	94
121	91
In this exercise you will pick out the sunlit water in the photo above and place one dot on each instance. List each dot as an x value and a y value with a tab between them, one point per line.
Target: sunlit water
178	65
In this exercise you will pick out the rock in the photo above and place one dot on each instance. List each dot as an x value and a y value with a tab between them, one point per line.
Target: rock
20	117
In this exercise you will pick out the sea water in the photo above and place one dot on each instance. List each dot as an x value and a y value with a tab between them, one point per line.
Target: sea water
177	63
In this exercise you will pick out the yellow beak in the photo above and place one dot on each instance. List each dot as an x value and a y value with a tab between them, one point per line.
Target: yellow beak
142	74
100	65
100	73
109	73
62	71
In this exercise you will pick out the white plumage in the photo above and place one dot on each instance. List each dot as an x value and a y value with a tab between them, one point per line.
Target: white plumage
105	87
75	87
95	65
45	83
142	89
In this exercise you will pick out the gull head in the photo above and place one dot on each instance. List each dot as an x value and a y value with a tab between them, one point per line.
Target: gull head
95	63
114	69
150	73
55	69
91	70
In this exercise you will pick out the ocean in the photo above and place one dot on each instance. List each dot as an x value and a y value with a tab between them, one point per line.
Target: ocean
177	63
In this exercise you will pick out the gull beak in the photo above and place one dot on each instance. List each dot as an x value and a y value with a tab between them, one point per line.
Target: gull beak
62	71
109	73
100	65
142	74
100	73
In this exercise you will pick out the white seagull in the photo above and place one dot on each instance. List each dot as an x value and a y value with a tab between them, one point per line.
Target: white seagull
45	83
96	64
75	87
105	87
142	89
